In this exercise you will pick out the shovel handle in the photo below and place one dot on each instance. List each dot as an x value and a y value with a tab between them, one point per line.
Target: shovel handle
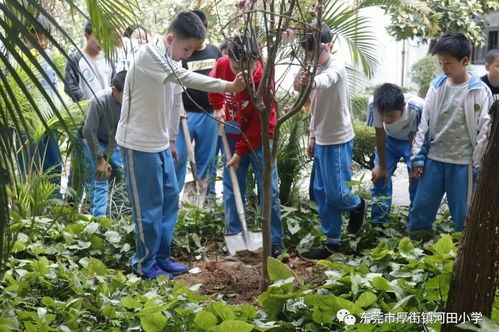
235	185
190	150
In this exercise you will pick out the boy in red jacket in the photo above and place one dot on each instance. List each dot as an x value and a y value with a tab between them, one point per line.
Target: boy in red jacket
238	111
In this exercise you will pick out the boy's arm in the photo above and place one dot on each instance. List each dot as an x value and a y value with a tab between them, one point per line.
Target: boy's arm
326	78
178	107
216	99
90	127
380	171
205	83
421	139
483	127
72	80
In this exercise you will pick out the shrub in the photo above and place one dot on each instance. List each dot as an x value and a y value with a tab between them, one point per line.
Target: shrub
359	103
365	142
423	71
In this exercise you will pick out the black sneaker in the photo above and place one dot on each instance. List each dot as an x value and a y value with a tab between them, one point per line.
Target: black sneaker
357	218
321	253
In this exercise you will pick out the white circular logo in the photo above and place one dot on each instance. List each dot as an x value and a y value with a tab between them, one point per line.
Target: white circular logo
349	319
341	314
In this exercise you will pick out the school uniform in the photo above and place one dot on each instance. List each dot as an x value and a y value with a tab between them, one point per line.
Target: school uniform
85	76
331	126
493	89
203	129
240	112
397	146
149	121
449	144
99	132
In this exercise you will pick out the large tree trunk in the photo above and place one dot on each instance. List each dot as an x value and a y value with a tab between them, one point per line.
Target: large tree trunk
476	270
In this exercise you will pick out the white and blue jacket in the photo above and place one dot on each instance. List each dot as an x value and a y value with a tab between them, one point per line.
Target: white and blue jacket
476	106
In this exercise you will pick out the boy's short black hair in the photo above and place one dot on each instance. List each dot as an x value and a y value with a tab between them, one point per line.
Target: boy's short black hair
454	43
187	25
309	42
119	81
388	97
223	45
131	29
492	55
88	28
202	16
243	48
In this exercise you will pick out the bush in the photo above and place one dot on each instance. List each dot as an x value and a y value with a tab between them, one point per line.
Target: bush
423	71
365	142
359	103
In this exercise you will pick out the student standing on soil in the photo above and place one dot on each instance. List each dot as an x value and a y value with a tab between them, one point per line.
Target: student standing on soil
100	148
202	128
331	143
242	113
87	71
395	117
451	138
146	134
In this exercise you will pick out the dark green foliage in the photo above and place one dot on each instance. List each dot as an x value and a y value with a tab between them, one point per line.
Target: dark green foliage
364	144
359	103
423	72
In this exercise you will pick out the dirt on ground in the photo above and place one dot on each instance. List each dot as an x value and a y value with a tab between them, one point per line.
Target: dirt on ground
238	278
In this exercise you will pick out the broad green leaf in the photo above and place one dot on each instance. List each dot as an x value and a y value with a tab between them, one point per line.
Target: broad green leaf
271	305
381	284
113	236
205	320
48	301
444	246
96	266
222	310
234	326
75	228
278	270
154	322
322	317
91	228
406	246
366	299
109	312
41	266
130	303
248	311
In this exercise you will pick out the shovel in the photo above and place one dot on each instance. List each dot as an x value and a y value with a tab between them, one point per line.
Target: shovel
244	240
194	191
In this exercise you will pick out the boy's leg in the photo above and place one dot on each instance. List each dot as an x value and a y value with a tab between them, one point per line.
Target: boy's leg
52	160
213	169
413	182
182	155
99	195
205	134
144	178
276	225
457	183
170	205
431	189
333	195
382	188
232	222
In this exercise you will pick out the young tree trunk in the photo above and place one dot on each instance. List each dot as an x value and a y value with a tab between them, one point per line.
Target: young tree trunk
267	199
476	270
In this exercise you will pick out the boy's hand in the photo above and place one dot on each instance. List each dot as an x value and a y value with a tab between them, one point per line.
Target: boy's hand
234	162
311	147
173	149
237	85
183	114
305	78
378	173
103	170
417	172
220	115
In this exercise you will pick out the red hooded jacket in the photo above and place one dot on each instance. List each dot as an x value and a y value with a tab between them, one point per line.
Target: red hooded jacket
240	108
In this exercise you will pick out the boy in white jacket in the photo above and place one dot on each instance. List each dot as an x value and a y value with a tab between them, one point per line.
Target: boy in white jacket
451	136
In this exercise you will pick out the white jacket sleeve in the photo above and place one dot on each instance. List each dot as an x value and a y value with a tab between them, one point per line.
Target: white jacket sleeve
178	105
420	146
484	99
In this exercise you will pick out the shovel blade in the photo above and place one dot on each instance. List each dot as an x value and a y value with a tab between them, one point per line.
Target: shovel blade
195	192
235	242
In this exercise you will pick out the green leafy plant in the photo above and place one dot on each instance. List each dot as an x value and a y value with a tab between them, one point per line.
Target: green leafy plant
365	142
423	72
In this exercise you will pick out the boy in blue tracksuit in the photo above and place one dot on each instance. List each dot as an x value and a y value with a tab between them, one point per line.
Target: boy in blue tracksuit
100	148
202	128
451	138
330	144
395	117
146	134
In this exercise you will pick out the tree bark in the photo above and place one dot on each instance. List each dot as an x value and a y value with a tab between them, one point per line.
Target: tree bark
476	270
